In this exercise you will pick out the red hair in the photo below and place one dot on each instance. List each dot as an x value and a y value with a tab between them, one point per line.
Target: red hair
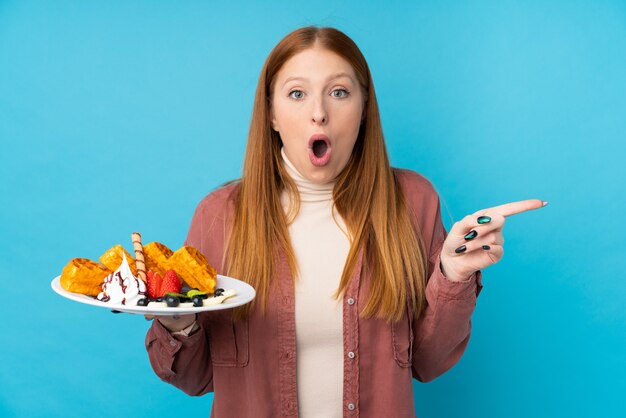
367	195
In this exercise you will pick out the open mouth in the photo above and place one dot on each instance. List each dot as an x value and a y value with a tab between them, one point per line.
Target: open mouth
319	148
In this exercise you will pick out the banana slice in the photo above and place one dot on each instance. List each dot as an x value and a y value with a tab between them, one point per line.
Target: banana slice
216	300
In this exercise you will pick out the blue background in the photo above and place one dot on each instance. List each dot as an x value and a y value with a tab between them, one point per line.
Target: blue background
120	116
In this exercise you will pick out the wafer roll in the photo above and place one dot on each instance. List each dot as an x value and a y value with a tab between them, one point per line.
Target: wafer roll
139	260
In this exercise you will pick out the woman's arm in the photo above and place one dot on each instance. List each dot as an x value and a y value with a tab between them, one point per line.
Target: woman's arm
185	361
442	332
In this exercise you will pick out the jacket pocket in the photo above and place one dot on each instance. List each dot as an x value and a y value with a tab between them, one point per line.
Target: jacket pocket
228	340
402	340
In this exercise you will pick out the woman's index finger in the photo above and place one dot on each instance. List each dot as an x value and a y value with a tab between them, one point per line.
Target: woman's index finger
513	208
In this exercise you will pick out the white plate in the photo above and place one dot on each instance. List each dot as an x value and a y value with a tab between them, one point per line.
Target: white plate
245	294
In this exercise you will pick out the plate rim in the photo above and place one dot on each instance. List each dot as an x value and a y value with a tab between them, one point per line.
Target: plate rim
55	284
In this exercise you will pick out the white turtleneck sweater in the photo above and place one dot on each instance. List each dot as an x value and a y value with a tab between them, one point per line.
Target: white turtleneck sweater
321	247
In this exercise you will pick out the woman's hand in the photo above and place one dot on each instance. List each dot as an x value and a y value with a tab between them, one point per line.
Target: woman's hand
475	242
175	322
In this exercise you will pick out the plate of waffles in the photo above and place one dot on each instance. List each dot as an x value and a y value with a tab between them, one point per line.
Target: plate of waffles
229	293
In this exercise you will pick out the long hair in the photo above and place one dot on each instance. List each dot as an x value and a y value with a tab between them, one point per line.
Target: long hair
366	194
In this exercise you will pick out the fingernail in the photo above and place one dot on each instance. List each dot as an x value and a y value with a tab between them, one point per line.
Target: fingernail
471	235
460	249
486	247
545	203
483	219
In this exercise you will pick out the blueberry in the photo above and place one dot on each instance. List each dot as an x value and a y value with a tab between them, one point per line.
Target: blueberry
172	301
197	300
219	292
143	302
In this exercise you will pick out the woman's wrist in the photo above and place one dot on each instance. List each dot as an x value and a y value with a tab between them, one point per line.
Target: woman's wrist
186	332
176	323
449	276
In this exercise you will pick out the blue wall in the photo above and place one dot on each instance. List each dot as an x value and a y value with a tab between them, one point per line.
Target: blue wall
120	116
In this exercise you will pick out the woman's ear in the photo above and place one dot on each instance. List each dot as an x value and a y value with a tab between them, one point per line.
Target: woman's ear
273	120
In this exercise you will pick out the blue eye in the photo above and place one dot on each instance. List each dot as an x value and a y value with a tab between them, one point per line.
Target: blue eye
296	91
343	90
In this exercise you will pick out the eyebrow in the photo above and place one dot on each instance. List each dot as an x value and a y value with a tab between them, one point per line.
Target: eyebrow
332	77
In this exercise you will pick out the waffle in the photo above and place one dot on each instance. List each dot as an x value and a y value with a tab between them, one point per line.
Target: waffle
193	267
82	275
112	259
157	257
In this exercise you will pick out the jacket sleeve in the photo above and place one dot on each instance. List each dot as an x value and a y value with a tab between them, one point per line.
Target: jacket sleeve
185	361
442	331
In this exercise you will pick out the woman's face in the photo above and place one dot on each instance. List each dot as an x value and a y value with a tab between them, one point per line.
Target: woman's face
317	105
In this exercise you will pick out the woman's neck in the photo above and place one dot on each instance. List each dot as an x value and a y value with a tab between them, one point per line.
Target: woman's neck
309	191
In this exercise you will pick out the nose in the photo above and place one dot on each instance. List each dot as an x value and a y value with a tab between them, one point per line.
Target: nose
319	115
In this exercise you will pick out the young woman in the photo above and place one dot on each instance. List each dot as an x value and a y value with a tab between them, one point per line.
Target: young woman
359	286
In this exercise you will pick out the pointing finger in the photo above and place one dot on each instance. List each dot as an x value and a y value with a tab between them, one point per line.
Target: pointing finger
513	208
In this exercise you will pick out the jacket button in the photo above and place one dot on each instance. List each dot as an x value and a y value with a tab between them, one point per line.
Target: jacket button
351	354
351	406
350	301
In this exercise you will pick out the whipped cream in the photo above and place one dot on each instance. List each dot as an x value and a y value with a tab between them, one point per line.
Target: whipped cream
122	287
